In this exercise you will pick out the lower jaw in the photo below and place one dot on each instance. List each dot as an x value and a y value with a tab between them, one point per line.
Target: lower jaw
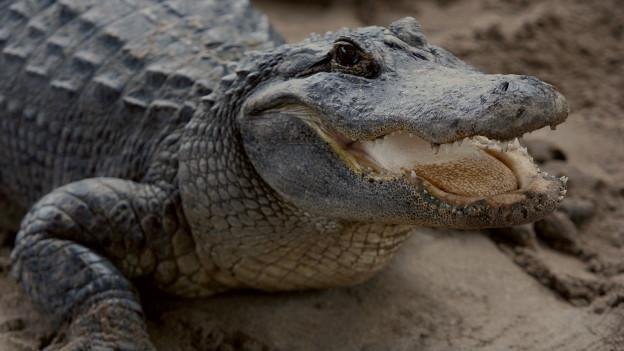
536	195
534	201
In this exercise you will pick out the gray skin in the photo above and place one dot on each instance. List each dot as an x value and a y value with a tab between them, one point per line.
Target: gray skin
153	139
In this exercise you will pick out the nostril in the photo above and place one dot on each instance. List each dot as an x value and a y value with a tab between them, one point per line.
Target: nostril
503	86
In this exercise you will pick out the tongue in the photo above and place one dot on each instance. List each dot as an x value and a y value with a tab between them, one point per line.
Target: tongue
479	175
462	169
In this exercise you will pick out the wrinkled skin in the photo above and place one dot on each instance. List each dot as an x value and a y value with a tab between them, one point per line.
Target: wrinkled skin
141	175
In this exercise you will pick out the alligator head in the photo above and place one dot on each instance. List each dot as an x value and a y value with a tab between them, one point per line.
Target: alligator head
376	124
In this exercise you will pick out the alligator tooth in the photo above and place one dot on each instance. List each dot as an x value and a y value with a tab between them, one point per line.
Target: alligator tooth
413	174
482	139
564	179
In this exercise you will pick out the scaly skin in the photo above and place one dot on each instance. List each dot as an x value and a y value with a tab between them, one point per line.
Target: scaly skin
157	139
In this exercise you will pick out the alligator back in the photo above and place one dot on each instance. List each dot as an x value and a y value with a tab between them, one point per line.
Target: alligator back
94	88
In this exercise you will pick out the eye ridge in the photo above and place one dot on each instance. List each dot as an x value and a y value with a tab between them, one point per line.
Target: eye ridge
346	57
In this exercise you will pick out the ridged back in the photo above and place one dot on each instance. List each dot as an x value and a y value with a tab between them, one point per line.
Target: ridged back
92	88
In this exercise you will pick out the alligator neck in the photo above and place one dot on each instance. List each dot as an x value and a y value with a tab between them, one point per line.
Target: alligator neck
246	234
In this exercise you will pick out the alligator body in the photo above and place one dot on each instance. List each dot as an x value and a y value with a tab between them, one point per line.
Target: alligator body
183	142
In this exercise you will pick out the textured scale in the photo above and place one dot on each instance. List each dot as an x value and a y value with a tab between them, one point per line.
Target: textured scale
99	92
94	73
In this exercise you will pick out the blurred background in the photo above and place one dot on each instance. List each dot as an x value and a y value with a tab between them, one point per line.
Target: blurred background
557	285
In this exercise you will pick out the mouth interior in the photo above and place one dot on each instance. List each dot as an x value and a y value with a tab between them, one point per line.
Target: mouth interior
472	167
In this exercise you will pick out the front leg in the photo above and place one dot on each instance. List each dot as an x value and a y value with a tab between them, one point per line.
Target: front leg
59	258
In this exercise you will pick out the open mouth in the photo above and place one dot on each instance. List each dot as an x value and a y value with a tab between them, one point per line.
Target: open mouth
459	173
467	170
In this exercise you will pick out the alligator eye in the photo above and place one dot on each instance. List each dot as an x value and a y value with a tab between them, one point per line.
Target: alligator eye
346	54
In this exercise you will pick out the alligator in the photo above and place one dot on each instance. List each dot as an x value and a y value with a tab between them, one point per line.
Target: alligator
184	143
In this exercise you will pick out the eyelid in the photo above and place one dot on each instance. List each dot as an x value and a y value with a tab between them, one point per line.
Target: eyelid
348	40
325	65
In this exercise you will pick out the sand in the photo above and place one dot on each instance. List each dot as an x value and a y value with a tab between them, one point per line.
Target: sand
557	285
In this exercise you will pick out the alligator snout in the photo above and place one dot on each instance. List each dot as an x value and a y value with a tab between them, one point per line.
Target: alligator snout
516	105
440	105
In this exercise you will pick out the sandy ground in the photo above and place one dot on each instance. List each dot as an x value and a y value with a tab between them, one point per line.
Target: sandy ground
557	285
